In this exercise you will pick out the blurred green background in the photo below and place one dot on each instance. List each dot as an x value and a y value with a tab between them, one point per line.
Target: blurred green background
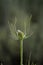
9	48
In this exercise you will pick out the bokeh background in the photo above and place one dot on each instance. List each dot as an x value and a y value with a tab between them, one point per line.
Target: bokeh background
9	48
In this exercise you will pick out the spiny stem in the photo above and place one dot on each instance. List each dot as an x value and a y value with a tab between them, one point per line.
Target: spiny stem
21	52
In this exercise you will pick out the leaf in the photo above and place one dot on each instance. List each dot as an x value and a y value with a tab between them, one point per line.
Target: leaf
27	36
27	24
13	32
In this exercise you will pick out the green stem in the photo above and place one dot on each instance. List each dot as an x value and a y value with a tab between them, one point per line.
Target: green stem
21	52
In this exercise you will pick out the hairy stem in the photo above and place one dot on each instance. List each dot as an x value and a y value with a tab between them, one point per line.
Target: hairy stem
21	52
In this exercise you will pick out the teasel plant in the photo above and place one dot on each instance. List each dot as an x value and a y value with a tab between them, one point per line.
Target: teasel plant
19	34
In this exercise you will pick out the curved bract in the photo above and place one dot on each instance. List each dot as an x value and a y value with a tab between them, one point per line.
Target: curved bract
20	34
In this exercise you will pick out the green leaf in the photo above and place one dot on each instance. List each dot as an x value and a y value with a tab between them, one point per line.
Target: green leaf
13	31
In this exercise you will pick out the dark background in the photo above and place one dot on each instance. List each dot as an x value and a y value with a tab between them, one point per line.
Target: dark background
9	48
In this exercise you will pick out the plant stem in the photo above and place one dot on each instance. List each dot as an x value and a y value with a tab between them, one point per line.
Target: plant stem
21	52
